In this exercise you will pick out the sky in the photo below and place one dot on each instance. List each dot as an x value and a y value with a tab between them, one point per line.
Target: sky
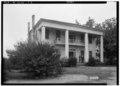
16	17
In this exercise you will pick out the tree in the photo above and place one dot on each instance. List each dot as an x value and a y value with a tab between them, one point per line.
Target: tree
110	37
76	21
110	40
90	23
98	26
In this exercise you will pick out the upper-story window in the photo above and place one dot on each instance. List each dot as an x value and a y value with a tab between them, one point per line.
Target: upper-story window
47	34
82	38
58	34
97	41
72	37
90	39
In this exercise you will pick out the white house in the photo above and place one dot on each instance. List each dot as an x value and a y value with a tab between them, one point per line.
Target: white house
71	39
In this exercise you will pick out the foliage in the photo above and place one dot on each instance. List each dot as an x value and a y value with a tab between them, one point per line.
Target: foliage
91	62
39	59
110	38
6	63
110	41
94	62
72	61
6	67
90	23
64	62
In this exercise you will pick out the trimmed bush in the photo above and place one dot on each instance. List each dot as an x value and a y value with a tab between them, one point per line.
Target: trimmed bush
91	62
72	61
36	59
64	62
94	62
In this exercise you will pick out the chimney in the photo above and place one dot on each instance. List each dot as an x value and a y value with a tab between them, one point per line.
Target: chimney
28	27
28	31
33	21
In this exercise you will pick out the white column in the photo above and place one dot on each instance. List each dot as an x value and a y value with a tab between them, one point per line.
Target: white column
86	58
101	48
43	34
67	43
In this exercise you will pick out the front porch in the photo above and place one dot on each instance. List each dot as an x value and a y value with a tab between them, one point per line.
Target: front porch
69	39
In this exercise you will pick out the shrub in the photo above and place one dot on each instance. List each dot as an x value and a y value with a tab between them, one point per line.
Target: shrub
37	59
91	62
72	61
111	62
64	62
94	62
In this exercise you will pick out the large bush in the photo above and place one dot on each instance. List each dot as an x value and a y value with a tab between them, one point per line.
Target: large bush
72	61
40	59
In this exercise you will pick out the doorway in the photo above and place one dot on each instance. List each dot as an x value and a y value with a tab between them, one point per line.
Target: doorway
81	57
72	53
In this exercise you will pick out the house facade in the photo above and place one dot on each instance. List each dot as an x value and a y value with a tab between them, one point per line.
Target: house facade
72	40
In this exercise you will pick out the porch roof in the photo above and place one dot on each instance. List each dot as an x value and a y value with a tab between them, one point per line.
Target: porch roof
65	23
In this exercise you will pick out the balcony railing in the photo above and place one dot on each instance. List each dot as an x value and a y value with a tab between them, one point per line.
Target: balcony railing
71	42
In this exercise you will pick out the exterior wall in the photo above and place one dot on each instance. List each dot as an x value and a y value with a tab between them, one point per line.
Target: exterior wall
61	44
77	51
38	33
92	47
52	35
78	46
31	36
61	50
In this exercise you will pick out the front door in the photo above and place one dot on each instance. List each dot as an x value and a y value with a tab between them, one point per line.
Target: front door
71	54
81	57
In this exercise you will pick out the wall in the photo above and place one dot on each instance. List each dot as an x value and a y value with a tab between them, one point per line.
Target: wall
61	47
92	47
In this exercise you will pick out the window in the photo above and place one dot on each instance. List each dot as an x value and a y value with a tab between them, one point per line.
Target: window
90	54
47	34
58	34
72	53
82	38
90	39
72	38
97	41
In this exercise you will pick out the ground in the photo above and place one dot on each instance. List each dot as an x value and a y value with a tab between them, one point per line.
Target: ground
80	74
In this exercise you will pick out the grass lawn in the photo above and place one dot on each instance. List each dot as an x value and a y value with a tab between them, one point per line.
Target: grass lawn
73	75
101	72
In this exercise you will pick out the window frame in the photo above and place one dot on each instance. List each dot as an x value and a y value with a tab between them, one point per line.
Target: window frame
47	34
72	37
82	38
90	39
58	34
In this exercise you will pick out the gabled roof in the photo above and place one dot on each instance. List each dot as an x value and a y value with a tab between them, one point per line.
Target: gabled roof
65	23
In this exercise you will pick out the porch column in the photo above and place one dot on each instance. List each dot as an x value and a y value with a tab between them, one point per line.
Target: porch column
67	43
43	33
86	48
101	48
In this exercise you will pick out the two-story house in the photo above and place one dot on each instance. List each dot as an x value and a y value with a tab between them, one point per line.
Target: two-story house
70	39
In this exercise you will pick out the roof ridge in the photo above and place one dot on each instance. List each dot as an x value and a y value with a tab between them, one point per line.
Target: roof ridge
62	22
